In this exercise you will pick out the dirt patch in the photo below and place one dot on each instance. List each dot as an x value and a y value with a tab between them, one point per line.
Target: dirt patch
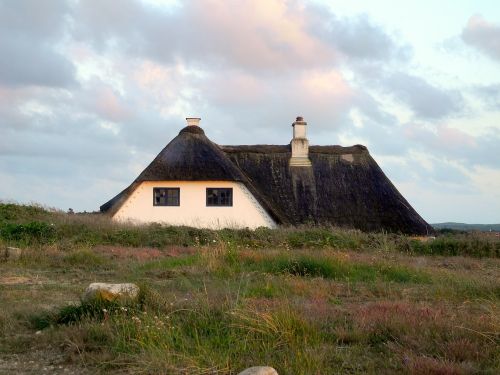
117	252
25	280
175	251
16	280
142	253
39	361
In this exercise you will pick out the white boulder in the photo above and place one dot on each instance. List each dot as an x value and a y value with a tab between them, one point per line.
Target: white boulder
111	292
259	370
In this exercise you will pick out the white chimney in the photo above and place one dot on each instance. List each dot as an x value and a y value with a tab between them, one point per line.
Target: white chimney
193	121
300	144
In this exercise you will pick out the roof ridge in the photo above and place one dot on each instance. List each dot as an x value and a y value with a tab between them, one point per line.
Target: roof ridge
191	155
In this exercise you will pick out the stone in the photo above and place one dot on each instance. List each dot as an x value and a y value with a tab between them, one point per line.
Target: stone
11	253
259	370
125	292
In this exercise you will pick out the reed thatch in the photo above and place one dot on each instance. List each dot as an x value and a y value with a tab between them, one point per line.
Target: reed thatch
344	187
190	156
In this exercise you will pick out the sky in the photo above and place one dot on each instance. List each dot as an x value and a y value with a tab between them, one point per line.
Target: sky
91	91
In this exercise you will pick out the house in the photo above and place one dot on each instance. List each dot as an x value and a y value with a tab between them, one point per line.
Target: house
196	182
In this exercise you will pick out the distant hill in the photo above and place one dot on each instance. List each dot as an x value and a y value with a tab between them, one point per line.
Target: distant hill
463	226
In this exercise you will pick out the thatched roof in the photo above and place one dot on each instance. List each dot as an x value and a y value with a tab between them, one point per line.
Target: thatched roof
344	187
190	156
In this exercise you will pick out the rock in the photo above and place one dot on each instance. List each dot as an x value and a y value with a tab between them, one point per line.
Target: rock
11	253
259	370
111	292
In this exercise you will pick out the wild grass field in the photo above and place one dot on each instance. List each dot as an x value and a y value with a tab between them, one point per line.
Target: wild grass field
302	300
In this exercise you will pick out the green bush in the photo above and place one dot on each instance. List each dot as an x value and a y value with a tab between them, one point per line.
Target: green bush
30	233
18	212
74	314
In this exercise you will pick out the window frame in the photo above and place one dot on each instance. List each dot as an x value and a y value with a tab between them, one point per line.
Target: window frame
178	190
219	205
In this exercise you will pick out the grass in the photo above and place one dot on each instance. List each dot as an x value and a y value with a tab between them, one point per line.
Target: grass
336	269
169	263
33	226
305	301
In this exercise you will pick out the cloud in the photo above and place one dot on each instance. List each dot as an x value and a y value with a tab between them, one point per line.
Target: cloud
275	36
29	31
490	95
426	100
428	152
360	39
471	151
18	57
105	102
90	91
37	18
483	35
272	37
285	55
395	81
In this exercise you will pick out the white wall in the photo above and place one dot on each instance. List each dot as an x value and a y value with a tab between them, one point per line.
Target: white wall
245	212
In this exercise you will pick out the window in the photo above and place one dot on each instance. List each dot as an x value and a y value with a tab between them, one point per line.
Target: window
219	197
166	196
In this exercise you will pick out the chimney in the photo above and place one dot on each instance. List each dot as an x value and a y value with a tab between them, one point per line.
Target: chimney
300	144
193	121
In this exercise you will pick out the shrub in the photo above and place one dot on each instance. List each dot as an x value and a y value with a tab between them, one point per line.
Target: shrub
73	314
30	233
18	212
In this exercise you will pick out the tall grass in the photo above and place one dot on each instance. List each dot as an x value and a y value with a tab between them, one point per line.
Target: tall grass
337	269
18	228
20	212
464	244
207	335
203	336
239	298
